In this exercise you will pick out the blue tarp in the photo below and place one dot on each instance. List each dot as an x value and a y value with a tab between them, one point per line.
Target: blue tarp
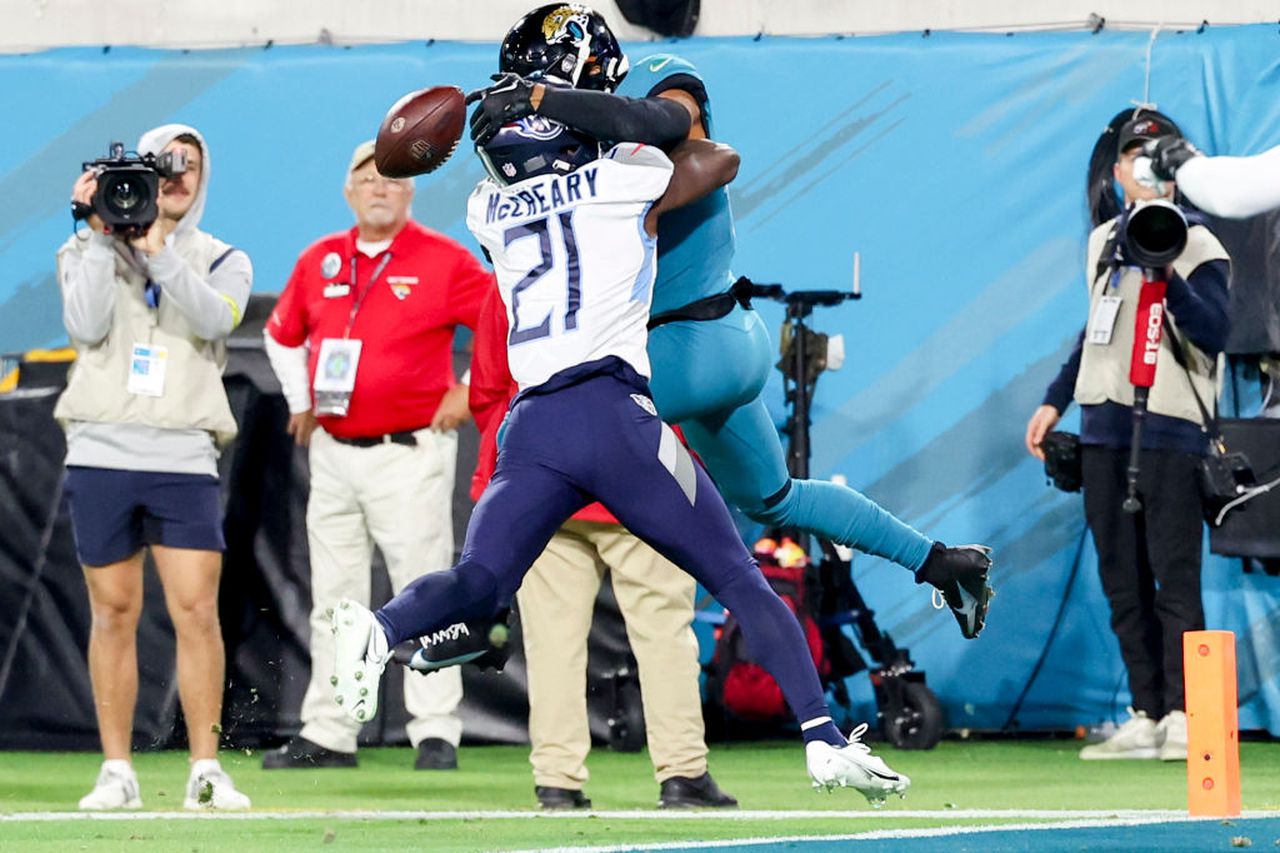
954	163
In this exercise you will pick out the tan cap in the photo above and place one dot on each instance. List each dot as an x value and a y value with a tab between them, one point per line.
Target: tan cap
362	155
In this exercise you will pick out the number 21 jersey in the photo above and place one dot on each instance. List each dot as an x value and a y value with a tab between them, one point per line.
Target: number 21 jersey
574	263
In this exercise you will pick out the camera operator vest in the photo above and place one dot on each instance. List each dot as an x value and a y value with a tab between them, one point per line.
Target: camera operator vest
1104	368
193	393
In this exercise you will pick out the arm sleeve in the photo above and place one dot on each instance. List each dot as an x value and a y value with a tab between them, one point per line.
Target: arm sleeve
1199	305
290	367
88	287
653	121
212	306
1063	387
1233	187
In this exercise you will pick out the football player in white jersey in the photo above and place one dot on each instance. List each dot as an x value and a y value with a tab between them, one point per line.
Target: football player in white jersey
571	232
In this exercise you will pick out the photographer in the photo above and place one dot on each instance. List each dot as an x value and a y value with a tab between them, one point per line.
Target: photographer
145	415
1149	561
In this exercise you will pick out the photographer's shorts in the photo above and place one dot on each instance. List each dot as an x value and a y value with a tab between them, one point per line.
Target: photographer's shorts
114	512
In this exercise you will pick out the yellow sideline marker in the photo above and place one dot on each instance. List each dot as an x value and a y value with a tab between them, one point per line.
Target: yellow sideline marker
1213	734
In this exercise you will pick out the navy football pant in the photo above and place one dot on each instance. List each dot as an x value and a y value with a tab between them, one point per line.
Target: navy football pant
598	439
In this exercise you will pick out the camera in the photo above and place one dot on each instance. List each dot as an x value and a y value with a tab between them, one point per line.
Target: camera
128	186
1155	233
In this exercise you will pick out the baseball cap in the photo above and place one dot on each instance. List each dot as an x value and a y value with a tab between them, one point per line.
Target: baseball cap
1143	128
362	155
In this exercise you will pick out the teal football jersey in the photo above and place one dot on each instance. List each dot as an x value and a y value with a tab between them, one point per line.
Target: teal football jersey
696	242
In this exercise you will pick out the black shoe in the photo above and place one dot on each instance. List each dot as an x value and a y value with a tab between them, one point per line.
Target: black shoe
436	754
301	752
960	574
558	799
681	792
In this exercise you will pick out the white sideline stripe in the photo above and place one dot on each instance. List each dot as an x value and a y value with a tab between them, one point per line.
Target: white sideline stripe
893	834
1140	815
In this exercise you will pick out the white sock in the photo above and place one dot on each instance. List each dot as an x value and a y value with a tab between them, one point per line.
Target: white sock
118	767
205	765
379	646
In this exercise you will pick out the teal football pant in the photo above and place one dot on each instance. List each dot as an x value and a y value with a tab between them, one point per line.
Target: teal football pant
708	377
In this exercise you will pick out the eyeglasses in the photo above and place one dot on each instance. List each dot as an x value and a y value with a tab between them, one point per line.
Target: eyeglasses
368	182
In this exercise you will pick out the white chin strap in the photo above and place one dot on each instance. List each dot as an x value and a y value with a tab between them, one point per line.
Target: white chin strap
584	53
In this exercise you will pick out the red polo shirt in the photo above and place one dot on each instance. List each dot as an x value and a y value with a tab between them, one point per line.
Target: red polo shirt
427	287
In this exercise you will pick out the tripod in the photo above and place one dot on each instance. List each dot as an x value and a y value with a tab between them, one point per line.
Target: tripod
909	714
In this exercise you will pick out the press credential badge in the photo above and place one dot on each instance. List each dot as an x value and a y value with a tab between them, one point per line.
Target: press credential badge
147	367
336	375
1104	320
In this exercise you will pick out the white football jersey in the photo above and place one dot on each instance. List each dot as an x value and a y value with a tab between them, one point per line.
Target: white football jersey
573	260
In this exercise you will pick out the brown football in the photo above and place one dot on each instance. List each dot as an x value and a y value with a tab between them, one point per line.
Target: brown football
420	132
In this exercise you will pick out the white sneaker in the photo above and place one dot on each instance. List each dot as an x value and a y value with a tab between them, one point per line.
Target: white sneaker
209	787
1171	732
853	766
1136	738
116	788
360	647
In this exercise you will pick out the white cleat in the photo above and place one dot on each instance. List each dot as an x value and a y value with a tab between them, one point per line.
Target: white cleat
853	766
360	646
116	788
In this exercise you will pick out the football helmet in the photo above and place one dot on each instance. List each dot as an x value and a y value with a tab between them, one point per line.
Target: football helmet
565	41
533	146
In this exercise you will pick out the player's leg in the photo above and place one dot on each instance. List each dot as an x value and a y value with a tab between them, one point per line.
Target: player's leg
557	600
512	523
407	495
737	441
656	490
656	600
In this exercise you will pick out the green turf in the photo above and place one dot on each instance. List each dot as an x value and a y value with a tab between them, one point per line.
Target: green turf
957	775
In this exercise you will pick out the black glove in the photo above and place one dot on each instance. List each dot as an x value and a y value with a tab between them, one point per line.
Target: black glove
1167	154
507	100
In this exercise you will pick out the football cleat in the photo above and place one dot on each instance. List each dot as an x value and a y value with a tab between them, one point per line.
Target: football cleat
960	577
479	642
853	766
116	788
361	653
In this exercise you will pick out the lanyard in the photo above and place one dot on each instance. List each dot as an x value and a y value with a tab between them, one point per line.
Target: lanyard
373	279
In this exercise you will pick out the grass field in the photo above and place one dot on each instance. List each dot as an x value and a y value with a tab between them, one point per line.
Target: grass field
949	783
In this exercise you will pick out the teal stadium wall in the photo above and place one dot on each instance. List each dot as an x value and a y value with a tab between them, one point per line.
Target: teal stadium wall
955	163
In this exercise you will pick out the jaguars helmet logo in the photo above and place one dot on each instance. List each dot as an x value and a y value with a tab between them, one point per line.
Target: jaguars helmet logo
568	21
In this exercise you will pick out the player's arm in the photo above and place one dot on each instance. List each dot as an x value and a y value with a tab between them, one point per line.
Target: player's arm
1233	187
701	166
655	121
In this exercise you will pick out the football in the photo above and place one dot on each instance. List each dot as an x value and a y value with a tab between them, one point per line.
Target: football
420	132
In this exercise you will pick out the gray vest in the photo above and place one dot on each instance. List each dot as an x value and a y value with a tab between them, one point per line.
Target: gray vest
1104	368
193	394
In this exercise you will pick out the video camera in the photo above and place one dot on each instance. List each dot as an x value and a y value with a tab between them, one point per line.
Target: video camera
128	186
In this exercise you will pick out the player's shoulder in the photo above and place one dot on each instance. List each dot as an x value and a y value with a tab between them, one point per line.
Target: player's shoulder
638	154
651	72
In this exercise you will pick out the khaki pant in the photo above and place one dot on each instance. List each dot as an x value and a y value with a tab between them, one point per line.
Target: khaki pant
400	498
656	600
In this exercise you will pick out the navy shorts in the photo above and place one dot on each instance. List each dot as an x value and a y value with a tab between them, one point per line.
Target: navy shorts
114	512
